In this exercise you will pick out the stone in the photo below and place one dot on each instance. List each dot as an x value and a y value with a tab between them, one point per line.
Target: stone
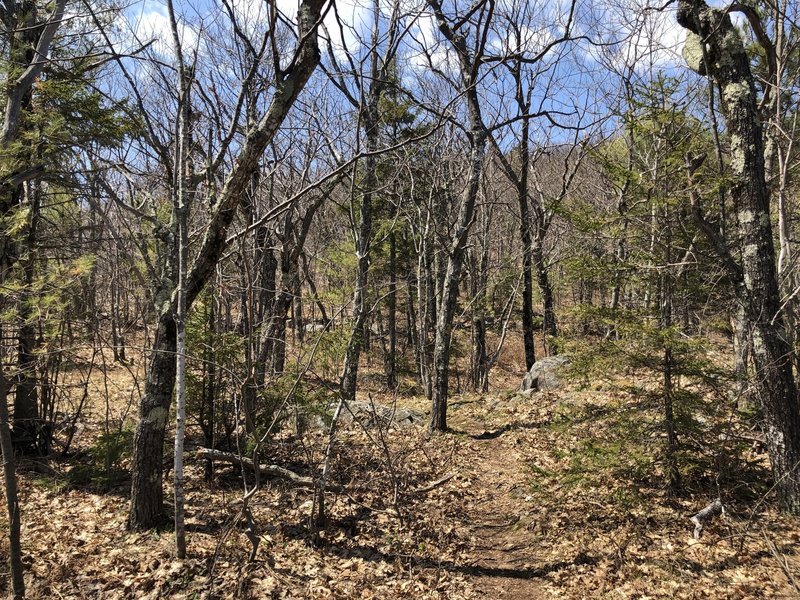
544	374
372	415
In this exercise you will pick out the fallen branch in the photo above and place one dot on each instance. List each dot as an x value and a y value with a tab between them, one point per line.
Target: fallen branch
433	484
706	515
300	480
782	561
270	470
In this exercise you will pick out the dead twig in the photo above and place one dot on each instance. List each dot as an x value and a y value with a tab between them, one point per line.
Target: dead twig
782	561
272	470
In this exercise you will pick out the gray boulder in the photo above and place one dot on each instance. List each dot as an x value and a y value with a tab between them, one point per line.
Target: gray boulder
372	415
544	374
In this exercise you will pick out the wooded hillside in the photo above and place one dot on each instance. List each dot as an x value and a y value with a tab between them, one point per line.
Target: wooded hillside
399	300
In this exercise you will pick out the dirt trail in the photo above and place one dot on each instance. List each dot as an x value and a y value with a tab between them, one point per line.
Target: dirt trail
508	564
499	523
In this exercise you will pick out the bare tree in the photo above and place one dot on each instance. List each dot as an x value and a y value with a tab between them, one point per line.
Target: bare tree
290	76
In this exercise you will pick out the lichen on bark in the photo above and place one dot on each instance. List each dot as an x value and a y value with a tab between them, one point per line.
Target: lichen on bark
738	158
693	53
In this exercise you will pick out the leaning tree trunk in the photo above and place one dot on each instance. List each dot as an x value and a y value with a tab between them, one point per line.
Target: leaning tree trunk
146	490
478	135
715	47
447	305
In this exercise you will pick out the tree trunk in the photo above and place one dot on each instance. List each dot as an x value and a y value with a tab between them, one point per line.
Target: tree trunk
390	358
477	138
146	490
525	225
181	199
718	50
546	290
449	297
356	341
147	493
27	427
363	236
668	367
479	371
12	504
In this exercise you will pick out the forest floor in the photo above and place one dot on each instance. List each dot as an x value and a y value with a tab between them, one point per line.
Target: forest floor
557	494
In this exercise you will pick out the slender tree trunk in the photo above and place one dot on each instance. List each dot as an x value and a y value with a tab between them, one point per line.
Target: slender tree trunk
426	290
525	224
207	416
183	173
449	297
477	138
411	314
671	450
12	504
390	359
363	236
479	370
527	281
356	342
27	427
546	290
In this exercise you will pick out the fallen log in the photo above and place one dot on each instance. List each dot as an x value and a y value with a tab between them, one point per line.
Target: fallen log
300	480
433	484
269	470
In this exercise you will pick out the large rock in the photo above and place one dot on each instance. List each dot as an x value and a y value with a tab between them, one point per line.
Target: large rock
544	374
372	415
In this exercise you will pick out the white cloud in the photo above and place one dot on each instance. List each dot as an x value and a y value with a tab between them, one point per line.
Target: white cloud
152	23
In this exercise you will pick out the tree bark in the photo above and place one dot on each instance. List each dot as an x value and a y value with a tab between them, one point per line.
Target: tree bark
12	504
717	50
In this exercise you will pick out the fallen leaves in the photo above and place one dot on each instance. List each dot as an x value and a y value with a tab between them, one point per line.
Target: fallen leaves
541	508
